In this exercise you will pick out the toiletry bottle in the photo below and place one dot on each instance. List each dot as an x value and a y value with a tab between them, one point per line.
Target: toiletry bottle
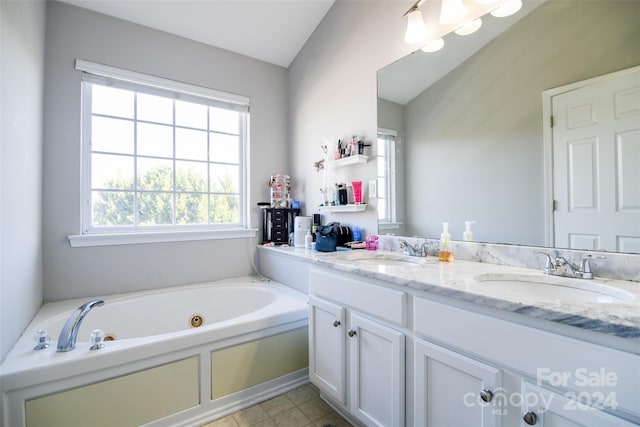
353	146
308	239
468	234
357	234
445	253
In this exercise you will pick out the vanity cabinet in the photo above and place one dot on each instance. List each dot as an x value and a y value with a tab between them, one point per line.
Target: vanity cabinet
356	358
554	380
452	389
375	344
544	408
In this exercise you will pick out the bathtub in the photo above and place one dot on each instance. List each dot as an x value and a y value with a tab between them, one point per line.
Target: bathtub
198	351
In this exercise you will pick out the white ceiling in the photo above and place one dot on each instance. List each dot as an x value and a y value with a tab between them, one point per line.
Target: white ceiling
276	30
270	30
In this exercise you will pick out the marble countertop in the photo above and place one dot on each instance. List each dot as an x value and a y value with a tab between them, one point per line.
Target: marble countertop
459	280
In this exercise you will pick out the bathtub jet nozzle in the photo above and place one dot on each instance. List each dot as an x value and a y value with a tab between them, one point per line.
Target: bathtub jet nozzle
69	333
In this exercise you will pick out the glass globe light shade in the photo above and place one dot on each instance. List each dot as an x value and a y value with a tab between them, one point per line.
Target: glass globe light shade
452	11
469	27
433	45
416	30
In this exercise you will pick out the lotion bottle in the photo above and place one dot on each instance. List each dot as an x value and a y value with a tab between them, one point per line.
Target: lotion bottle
308	240
445	253
468	234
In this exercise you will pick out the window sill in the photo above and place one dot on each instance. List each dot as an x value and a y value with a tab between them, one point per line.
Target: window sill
389	225
112	239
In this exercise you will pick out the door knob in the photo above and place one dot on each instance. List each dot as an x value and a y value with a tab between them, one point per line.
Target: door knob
351	333
336	323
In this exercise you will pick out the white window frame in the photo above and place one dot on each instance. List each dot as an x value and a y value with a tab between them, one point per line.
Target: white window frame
389	222
98	236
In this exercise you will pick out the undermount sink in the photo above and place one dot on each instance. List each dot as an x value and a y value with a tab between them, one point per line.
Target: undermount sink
387	260
536	287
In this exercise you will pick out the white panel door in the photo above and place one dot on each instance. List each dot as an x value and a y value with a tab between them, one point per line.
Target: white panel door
327	357
455	390
376	373
596	165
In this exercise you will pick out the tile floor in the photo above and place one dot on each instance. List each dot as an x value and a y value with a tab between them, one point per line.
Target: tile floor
300	407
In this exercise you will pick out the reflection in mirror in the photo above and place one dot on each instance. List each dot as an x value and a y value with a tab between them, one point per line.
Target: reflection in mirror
386	179
470	146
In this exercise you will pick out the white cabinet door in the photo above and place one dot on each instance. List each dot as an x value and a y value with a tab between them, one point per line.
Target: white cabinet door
376	372
327	356
543	408
454	390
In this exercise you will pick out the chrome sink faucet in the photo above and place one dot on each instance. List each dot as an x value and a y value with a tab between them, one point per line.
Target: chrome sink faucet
417	250
561	267
69	333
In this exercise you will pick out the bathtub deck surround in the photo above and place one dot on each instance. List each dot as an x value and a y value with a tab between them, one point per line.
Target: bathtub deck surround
243	324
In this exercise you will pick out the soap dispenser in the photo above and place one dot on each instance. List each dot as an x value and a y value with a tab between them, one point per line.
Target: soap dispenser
445	253
468	234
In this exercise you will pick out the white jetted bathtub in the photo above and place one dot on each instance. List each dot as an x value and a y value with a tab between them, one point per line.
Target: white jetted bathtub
176	356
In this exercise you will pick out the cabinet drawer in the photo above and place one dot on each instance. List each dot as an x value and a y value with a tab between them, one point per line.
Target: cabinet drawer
384	303
550	358
280	237
279	214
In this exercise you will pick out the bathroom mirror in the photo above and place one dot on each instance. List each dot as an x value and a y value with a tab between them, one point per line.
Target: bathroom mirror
469	144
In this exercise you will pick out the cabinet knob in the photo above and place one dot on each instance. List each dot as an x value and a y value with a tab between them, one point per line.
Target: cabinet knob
530	417
486	395
336	323
351	333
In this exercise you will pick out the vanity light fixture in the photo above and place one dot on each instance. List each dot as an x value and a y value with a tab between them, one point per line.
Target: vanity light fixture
416	30
469	27
433	45
507	8
452	11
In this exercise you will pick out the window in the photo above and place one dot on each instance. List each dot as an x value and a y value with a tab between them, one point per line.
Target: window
160	155
386	179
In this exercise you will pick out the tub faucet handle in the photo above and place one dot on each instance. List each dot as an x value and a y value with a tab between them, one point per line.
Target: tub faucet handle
97	339
42	339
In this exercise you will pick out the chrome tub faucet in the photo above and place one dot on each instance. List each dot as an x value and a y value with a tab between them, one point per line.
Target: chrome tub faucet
69	333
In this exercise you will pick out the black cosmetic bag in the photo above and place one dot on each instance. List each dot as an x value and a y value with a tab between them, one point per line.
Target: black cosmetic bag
329	236
344	233
326	238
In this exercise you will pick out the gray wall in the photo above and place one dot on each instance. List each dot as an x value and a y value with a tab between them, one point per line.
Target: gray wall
80	272
479	154
332	91
22	26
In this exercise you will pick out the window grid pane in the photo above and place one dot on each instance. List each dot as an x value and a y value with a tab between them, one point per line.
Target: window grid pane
161	174
386	172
